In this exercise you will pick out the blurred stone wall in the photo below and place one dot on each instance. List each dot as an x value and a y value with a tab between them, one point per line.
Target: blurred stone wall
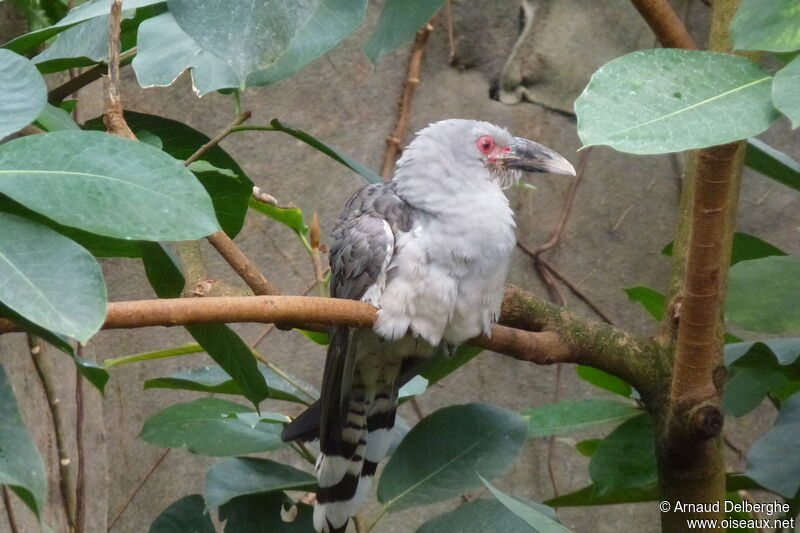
624	213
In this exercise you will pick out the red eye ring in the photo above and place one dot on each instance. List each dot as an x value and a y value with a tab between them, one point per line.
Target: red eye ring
485	144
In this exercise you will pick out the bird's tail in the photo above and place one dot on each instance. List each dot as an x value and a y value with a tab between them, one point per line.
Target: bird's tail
344	475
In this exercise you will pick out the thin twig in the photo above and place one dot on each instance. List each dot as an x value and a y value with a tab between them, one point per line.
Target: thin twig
80	485
240	118
665	23
9	511
241	264
136	490
406	97
555	238
451	40
360	523
551	444
64	470
575	290
113	115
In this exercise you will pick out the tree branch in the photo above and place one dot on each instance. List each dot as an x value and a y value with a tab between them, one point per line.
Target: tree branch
665	23
240	263
113	115
538	332
395	139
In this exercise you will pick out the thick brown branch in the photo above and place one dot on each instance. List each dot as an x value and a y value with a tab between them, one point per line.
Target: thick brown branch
665	23
566	339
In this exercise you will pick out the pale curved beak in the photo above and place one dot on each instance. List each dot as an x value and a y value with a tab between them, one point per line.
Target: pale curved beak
529	156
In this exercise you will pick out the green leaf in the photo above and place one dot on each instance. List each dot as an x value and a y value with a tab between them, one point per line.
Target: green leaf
744	247
87	43
785	93
757	369
23	92
763	294
774	460
162	269
591	496
651	300
669	100
417	385
261	513
224	180
773	163
49	279
219	341
215	379
83	12
570	416
399	21
21	466
588	447
605	381
210	426
318	337
53	118
540	517
164	51
476	516
444	364
332	21
40	14
107	185
368	174
288	216
186	515
96	375
772	25
225	347
440	455
626	458
247	36
237	476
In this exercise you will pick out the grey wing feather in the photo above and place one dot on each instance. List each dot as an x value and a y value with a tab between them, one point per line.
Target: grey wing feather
364	239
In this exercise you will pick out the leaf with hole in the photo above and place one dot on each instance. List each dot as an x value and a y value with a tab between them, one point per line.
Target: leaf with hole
21	466
210	426
49	279
185	515
772	25
670	100
107	185
569	416
626	458
440	455
247	36
23	93
763	294
399	21
238	476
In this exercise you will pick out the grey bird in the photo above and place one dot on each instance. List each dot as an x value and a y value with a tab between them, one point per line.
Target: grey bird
430	249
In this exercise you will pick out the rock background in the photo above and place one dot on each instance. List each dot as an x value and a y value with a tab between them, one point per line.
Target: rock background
624	214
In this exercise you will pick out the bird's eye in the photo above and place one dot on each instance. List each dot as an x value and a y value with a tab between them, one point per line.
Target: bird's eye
485	144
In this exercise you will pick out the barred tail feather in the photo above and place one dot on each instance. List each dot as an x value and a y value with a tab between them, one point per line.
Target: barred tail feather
345	475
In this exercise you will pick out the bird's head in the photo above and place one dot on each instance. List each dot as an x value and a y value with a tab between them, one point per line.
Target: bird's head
480	150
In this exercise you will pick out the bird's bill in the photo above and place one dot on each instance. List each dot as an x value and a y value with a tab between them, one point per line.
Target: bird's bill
529	156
